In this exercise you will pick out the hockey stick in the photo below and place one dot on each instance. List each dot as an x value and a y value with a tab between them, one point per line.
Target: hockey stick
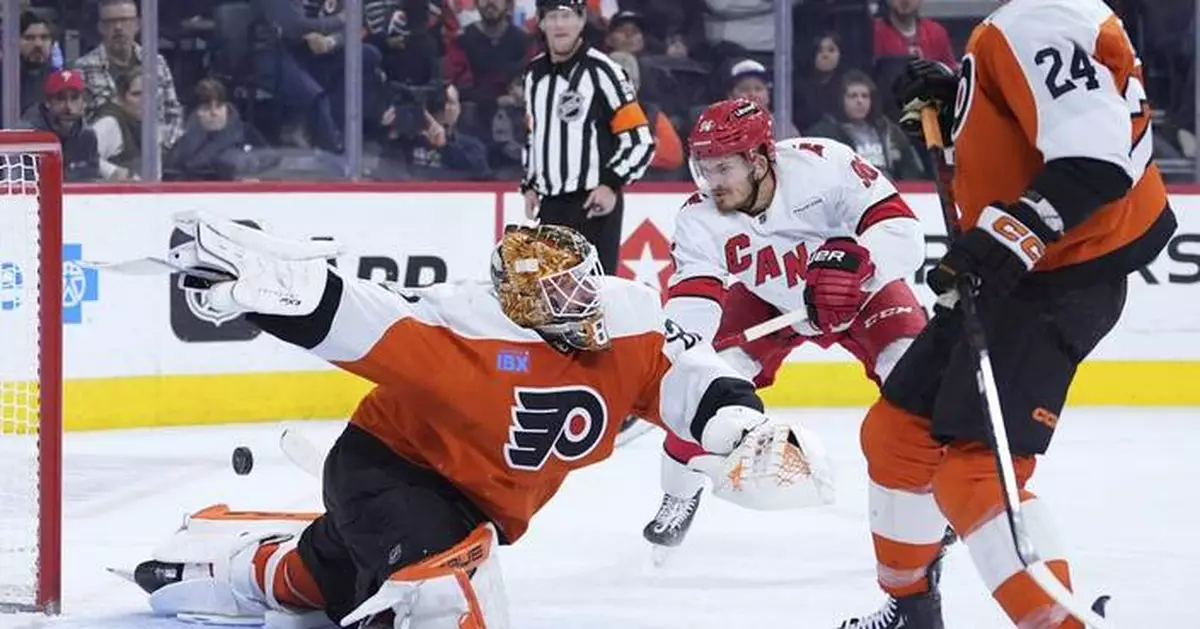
1034	565
797	319
301	452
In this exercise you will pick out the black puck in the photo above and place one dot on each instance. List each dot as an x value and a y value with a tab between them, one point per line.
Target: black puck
243	460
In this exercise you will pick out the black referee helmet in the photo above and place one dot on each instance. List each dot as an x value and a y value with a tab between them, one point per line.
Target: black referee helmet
545	6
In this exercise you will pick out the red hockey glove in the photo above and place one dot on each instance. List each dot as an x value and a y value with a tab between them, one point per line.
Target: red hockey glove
834	291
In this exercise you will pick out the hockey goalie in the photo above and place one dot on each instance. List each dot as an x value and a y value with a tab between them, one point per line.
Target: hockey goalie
486	397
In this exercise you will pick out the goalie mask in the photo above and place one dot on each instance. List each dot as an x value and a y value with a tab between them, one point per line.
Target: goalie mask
547	279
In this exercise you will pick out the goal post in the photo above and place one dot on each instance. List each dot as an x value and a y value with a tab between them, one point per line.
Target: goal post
31	284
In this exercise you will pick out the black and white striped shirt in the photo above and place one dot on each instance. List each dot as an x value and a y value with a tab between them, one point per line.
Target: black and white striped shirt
586	127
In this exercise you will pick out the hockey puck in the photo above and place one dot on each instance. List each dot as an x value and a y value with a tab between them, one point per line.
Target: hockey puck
243	460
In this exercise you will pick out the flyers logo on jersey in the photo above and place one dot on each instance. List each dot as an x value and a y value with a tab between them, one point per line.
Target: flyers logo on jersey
566	422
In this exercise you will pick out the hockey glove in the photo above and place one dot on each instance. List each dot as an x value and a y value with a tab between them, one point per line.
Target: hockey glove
267	274
1004	245
926	82
833	292
762	463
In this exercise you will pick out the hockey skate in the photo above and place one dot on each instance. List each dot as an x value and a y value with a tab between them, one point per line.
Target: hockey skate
671	524
918	611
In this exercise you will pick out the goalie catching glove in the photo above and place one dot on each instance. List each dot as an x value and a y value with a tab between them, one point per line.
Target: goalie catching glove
764	464
265	274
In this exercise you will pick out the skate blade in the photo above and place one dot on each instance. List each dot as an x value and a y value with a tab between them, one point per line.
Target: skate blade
124	574
216	620
660	555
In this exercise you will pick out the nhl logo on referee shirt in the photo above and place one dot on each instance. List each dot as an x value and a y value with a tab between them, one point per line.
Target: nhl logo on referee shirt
570	106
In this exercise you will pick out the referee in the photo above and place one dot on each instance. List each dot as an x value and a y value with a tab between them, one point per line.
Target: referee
588	136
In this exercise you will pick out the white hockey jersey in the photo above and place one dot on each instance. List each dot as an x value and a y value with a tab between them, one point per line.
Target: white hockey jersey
823	190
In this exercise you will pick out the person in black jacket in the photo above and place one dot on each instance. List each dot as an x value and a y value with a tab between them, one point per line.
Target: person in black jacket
216	144
300	56
62	114
37	49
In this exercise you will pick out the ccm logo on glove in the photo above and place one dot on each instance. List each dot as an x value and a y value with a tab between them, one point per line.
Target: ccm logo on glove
1012	230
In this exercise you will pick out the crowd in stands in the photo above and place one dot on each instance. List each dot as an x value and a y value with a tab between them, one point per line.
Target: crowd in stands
254	89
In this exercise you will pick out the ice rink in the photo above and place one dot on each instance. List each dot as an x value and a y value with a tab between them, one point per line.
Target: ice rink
1122	483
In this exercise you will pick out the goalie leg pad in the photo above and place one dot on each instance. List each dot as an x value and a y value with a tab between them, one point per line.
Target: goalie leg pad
218	549
461	588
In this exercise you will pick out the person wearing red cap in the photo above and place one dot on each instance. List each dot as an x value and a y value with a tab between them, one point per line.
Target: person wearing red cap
62	114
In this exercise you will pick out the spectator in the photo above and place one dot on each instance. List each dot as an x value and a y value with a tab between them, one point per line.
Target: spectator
508	130
625	34
749	79
217	144
299	57
62	114
440	150
819	91
482	59
902	32
668	147
860	125
409	34
674	26
37	49
118	129
118	53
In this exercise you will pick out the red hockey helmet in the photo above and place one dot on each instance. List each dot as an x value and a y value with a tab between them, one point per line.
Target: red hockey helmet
732	127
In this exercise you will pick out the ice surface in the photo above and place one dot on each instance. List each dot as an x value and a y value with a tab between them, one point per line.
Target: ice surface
1121	483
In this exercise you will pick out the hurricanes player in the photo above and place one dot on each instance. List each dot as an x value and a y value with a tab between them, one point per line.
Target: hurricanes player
1059	201
802	224
487	396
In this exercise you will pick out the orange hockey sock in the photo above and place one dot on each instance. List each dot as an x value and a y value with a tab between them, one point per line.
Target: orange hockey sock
292	583
906	525
968	489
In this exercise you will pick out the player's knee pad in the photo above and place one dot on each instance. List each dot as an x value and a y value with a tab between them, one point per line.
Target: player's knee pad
900	452
214	551
967	484
461	588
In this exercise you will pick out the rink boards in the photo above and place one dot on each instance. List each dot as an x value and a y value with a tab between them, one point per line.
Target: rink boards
137	353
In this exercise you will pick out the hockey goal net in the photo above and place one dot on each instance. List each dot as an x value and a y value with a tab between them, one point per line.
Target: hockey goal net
30	371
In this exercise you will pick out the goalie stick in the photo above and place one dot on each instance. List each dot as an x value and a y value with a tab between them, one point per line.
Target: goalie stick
1034	565
301	452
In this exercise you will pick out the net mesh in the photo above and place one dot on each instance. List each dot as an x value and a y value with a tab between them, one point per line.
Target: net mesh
19	361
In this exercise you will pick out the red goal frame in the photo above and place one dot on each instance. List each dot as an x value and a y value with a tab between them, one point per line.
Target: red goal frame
49	190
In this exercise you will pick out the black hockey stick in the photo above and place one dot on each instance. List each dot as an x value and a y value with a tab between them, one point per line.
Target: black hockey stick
986	380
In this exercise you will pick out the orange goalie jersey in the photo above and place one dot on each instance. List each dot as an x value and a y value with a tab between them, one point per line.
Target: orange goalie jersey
490	405
1049	79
